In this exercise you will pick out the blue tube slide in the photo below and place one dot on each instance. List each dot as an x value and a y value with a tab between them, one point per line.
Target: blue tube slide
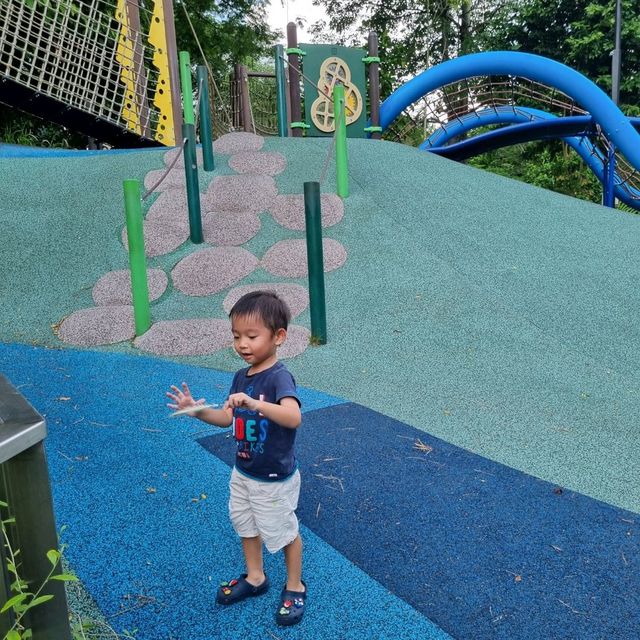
613	122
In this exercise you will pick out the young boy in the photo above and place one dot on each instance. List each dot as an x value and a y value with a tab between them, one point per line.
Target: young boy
264	408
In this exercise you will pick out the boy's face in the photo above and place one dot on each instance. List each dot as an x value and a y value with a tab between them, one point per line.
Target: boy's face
253	340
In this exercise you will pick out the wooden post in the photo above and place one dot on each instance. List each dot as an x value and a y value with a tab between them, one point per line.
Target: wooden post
374	85
244	99
294	79
174	72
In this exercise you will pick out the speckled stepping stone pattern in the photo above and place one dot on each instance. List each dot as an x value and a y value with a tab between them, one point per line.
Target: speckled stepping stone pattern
195	337
211	270
288	210
98	326
295	295
288	258
238	141
240	193
159	238
171	209
114	288
230	210
297	341
229	228
257	162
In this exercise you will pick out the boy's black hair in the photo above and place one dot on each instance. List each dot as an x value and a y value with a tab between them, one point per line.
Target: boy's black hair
266	305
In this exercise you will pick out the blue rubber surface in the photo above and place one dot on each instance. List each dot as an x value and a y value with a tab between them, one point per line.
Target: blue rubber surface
481	549
146	508
21	151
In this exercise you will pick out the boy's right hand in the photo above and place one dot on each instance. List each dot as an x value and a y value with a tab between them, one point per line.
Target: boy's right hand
182	398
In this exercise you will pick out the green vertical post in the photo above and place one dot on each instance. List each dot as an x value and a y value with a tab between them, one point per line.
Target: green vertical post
206	137
281	85
342	162
187	88
137	260
315	262
193	185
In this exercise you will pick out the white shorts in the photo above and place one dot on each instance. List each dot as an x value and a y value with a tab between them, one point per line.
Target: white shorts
265	509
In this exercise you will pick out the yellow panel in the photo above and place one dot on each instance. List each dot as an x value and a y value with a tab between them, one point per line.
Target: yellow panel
124	55
165	133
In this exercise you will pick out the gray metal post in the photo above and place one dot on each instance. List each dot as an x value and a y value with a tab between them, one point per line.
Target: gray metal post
24	486
616	56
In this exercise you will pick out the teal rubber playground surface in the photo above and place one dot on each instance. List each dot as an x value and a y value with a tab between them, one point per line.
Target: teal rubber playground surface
469	449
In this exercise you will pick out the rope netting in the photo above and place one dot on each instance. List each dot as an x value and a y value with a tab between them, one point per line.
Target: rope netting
78	53
469	98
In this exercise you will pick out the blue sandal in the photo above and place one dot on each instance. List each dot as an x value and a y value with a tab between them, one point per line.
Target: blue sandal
239	589
291	607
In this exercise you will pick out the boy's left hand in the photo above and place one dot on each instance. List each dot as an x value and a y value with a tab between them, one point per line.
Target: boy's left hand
241	400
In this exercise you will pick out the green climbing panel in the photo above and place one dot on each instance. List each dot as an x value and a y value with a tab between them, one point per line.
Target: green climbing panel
325	65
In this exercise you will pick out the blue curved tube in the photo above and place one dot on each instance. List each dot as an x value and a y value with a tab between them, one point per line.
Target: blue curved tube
614	123
591	156
483	118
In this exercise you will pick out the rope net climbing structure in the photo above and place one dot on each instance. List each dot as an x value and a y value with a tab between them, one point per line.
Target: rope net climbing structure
106	59
441	116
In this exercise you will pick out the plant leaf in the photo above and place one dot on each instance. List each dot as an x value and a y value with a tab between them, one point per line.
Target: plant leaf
53	556
65	577
40	600
12	602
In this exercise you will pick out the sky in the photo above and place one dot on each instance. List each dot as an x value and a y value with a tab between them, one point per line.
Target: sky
283	11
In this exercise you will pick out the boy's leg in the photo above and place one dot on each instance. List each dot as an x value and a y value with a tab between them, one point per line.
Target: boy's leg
293	560
252	548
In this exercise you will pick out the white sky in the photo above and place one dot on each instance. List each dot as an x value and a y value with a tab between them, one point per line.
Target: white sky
279	16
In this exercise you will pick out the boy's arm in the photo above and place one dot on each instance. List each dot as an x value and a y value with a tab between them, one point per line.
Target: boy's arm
286	413
184	400
218	417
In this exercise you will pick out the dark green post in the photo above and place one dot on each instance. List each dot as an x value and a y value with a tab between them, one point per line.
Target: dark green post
315	262
206	137
193	186
187	88
342	162
137	260
281	84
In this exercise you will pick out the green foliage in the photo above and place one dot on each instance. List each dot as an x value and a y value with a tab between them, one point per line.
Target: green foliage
20	128
413	36
579	34
552	166
230	32
23	599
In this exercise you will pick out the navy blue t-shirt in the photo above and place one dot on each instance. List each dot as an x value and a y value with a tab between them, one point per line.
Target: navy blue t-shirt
265	449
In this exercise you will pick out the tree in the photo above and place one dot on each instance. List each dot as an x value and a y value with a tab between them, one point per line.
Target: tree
229	31
579	34
413	35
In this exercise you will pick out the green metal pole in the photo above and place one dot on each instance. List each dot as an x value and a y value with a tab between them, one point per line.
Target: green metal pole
137	260
315	262
342	162
206	137
281	85
187	88
193	185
